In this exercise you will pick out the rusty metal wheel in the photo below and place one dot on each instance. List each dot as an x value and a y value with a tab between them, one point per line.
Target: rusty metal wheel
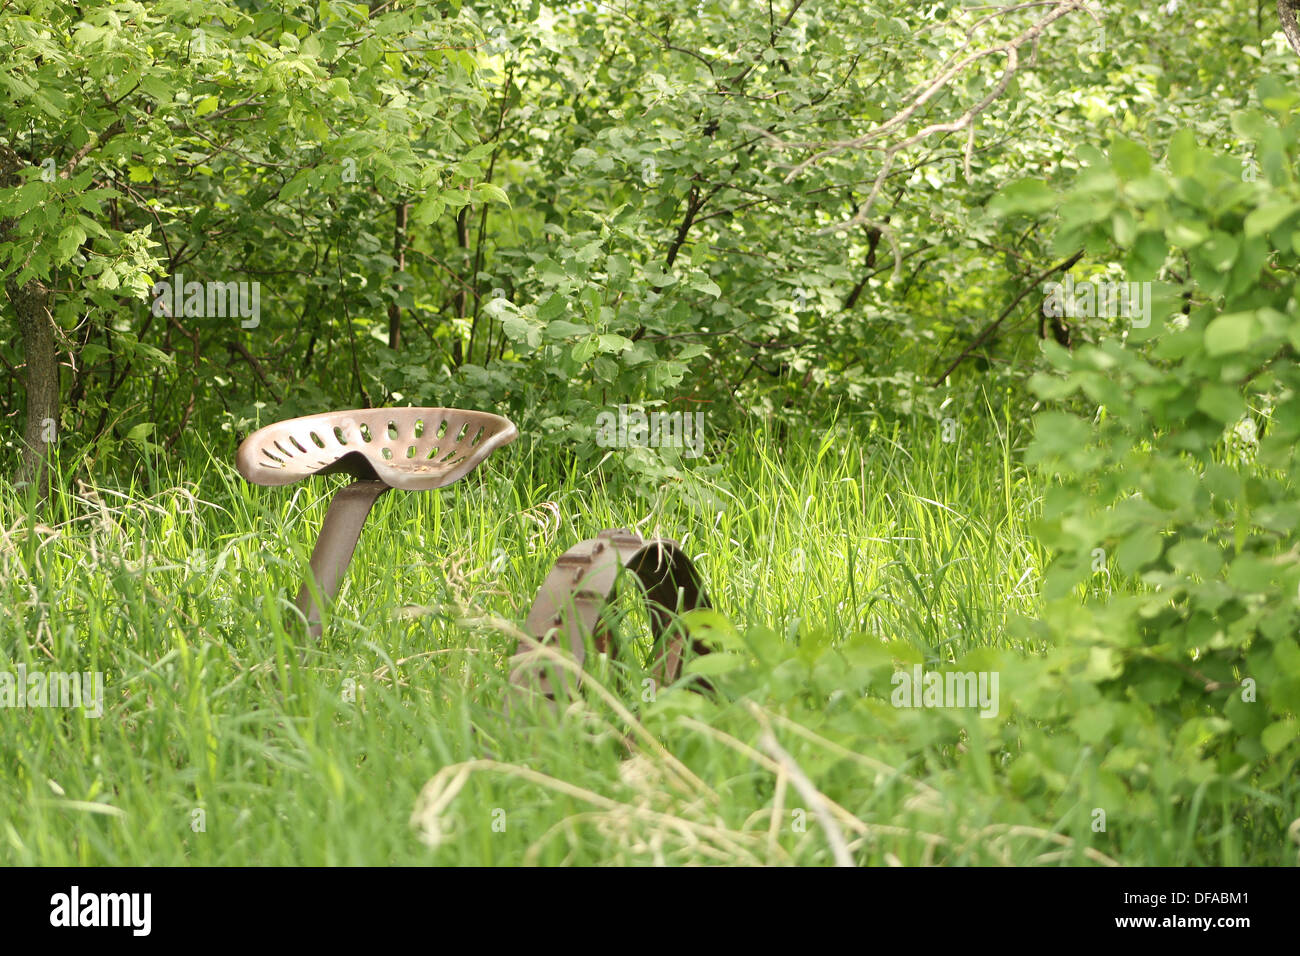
568	608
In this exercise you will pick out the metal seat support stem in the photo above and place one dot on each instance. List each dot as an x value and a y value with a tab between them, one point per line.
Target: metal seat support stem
334	547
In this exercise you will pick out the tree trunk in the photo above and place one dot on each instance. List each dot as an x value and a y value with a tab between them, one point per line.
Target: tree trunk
399	264
1286	12
31	302
31	305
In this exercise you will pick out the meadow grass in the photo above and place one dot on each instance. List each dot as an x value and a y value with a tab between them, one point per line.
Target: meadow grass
221	743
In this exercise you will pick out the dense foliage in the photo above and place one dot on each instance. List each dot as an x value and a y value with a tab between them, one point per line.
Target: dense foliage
883	232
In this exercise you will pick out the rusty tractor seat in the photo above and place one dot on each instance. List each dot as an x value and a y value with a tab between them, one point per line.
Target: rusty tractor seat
414	449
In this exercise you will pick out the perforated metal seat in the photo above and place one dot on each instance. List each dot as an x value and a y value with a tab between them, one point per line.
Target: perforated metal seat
410	448
414	449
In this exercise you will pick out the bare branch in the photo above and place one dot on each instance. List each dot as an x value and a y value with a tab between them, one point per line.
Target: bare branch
963	59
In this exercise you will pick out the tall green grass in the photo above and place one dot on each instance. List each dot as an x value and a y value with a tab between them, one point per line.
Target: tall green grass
221	743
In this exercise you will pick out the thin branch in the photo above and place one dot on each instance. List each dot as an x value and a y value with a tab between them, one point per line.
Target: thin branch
992	327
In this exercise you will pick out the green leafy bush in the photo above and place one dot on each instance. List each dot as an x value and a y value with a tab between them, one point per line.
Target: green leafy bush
1171	452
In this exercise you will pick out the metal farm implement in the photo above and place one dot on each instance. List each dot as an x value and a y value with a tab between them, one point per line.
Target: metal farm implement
419	449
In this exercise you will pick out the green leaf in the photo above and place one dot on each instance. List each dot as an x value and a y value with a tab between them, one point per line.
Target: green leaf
1103	664
1221	402
708	287
1129	159
1269	216
614	343
1030	196
490	192
1249	573
1196	557
296	186
519	329
1233	332
561	329
70	239
1220	251
713	627
719	662
1138	549
554	307
1056	433
1185	155
140	432
1279	735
